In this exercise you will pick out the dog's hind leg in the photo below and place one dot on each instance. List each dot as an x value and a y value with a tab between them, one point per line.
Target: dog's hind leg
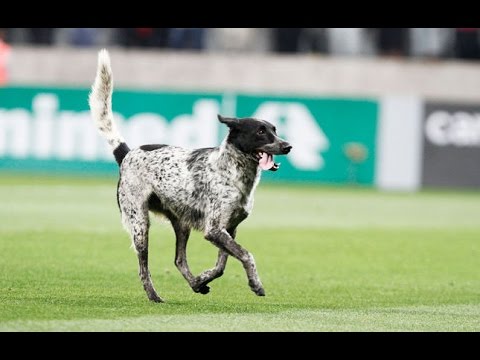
224	241
182	234
140	241
135	219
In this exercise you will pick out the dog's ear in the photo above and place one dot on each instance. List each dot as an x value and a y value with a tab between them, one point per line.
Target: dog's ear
230	122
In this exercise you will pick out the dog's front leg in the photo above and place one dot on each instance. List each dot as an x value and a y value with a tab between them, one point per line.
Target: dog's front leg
209	275
223	240
199	283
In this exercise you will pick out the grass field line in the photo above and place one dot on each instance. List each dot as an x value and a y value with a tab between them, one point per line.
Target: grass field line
415	318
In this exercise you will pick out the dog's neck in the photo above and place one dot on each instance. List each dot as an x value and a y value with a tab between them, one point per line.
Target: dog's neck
242	167
228	152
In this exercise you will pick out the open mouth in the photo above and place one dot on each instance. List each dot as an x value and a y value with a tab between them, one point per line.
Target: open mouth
265	160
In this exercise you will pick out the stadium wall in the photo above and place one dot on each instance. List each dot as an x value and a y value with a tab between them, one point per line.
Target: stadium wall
354	120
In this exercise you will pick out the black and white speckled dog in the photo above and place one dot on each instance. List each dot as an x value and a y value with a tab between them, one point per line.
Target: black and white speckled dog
208	189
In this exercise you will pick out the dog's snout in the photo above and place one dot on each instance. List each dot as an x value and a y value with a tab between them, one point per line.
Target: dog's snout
286	147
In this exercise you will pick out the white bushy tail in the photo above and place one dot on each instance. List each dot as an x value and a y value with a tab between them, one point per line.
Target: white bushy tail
100	101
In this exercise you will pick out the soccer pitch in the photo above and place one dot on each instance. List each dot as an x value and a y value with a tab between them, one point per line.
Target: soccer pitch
330	259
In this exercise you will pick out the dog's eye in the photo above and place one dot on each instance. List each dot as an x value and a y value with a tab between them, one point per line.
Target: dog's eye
261	131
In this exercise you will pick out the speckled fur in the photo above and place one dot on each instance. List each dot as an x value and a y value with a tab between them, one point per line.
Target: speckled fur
210	190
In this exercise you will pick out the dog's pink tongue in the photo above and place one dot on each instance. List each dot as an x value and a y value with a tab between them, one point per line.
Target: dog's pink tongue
266	162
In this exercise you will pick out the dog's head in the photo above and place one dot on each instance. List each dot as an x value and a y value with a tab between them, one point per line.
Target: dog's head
257	138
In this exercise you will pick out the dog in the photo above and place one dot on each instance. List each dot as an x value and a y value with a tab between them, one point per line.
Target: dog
209	189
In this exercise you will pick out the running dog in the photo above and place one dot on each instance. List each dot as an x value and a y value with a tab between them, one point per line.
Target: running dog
209	189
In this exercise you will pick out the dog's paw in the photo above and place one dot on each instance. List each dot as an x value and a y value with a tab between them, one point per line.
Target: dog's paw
256	287
203	289
259	292
155	298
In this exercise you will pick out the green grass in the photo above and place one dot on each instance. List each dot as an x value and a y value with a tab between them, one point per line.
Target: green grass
331	259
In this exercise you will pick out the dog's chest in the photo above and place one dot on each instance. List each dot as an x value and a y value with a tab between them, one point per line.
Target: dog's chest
242	187
227	188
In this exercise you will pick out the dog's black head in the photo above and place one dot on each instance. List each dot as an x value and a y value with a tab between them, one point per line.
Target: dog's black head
258	138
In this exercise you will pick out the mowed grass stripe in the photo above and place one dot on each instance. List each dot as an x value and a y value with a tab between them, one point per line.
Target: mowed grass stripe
462	318
76	206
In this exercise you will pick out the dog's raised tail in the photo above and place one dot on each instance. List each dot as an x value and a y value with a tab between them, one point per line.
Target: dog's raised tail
100	101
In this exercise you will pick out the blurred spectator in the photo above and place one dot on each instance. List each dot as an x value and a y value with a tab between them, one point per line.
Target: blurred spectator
392	41
237	39
286	40
143	37
313	40
467	44
429	42
40	36
186	38
5	51
350	41
83	36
